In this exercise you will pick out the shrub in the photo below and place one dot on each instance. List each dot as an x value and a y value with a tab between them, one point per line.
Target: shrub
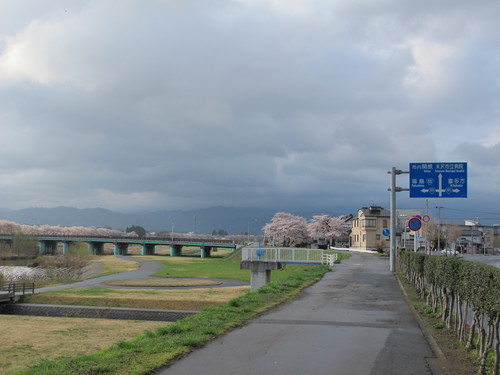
453	287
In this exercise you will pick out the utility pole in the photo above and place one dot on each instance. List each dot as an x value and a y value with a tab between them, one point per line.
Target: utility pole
393	189
172	234
439	228
427	249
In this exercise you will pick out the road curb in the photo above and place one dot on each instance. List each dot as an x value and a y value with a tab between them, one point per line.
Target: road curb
437	365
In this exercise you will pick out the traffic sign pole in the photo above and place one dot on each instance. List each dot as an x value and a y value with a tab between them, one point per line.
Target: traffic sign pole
393	189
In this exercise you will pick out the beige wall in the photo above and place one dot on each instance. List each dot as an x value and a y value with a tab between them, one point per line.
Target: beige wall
366	231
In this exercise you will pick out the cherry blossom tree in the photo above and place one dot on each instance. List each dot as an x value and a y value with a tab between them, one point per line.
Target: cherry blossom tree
8	227
286	229
325	226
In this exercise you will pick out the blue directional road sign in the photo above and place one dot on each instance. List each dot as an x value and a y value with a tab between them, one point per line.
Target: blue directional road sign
438	180
386	232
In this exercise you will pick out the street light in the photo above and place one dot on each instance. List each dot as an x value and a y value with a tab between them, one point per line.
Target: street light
248	231
172	235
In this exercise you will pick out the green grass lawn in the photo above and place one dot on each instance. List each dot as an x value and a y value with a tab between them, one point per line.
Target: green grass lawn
215	268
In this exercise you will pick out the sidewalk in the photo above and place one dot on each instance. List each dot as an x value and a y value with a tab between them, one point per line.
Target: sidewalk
354	321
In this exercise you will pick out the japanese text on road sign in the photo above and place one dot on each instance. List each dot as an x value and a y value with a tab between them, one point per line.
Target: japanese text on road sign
438	180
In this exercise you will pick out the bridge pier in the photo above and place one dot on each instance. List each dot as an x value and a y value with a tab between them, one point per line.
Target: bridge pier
148	249
205	251
120	248
66	245
175	250
96	248
6	242
260	272
48	247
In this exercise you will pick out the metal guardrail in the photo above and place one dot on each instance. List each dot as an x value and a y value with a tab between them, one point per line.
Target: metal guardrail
162	239
21	288
9	291
289	255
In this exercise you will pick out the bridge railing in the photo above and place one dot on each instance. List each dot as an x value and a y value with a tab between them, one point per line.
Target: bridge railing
148	239
284	255
20	288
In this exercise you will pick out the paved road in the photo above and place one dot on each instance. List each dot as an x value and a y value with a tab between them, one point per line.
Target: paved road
354	321
492	260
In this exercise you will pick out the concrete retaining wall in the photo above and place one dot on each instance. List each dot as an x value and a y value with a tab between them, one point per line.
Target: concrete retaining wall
94	312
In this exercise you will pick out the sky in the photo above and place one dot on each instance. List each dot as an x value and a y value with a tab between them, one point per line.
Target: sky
286	104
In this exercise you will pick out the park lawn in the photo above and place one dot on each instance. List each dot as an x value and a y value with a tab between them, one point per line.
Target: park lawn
214	268
113	264
193	299
25	340
163	282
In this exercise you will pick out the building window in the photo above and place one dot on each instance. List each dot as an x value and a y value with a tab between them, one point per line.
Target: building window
377	237
364	237
369	223
384	223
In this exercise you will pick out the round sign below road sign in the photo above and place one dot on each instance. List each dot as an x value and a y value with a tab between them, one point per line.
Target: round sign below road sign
426	218
414	224
386	232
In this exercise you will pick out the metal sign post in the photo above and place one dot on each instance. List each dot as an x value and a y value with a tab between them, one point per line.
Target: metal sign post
427	180
393	189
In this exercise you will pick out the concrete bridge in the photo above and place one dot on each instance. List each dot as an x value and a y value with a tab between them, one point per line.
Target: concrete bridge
49	244
261	261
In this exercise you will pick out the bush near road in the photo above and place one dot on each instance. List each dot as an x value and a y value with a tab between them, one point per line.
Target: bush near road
451	288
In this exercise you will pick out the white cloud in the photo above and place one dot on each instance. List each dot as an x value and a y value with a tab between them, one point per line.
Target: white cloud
429	73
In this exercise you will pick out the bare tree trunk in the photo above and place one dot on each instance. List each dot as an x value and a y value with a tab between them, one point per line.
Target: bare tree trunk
472	331
496	333
451	305
463	323
481	335
458	315
483	355
444	305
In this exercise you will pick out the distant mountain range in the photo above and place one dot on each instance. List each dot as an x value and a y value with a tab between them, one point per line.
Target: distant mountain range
234	220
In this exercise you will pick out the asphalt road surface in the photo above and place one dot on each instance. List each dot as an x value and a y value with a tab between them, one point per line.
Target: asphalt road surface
492	260
354	321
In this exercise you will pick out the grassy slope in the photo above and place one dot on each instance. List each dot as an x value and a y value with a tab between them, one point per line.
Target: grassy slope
155	348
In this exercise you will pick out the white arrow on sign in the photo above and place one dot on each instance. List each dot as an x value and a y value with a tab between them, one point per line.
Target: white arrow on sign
424	190
456	190
440	190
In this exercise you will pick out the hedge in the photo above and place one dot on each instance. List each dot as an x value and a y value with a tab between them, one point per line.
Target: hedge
454	288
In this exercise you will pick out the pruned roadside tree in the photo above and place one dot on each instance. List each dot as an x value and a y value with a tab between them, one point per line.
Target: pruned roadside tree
325	226
286	229
455	288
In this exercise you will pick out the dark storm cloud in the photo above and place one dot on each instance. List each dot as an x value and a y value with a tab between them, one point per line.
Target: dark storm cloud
184	104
